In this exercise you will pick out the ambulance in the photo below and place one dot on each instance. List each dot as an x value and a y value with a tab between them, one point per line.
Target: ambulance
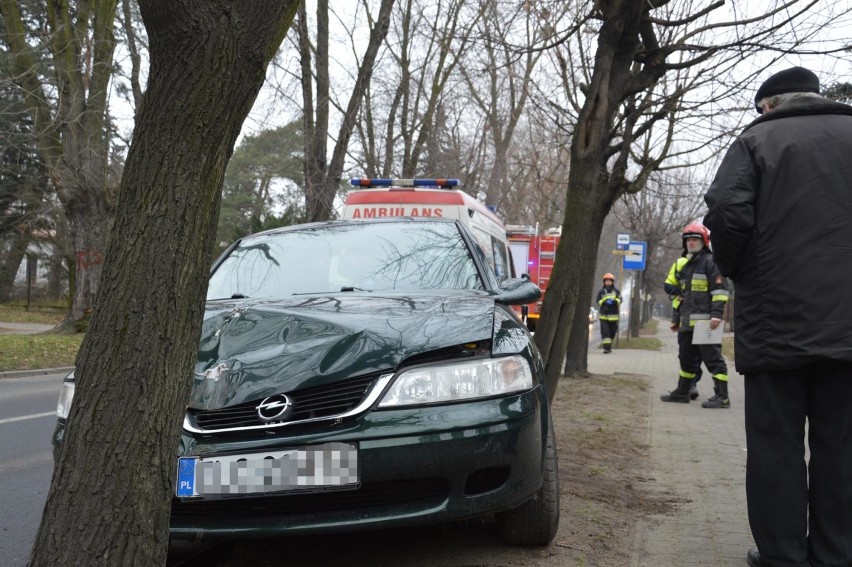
377	198
533	253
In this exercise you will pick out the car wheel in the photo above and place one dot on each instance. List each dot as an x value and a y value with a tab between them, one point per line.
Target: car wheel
535	521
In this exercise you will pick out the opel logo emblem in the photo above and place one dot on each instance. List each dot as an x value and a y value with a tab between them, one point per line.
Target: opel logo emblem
275	408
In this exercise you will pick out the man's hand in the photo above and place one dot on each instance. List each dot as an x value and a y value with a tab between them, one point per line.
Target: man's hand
674	327
714	322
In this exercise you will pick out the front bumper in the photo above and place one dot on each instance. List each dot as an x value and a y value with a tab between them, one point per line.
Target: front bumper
417	466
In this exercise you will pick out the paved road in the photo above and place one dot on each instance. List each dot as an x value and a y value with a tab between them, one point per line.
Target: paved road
27	419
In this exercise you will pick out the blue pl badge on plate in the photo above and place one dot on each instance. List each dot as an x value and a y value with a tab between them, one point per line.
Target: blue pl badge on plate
186	476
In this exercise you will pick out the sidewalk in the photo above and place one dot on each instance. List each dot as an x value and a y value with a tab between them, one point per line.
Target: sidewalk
698	456
7	328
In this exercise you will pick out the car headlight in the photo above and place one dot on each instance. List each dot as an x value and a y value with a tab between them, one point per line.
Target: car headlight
66	396
453	382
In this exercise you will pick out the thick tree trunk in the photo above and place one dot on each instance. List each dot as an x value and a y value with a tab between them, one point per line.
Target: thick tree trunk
109	500
592	189
56	276
89	225
576	359
13	255
570	283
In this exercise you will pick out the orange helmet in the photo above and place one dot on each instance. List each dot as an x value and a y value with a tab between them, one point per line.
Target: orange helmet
608	276
696	230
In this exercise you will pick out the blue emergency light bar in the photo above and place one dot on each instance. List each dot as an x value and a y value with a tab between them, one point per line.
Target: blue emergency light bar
382	182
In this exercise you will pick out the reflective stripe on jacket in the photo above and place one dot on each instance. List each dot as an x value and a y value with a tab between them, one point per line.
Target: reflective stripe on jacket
704	290
609	312
672	283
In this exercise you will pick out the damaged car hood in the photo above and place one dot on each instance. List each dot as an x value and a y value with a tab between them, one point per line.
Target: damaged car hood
253	349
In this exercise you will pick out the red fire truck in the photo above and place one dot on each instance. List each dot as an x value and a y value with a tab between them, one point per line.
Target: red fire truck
533	253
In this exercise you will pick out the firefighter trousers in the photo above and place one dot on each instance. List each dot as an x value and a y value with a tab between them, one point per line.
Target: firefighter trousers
691	356
609	329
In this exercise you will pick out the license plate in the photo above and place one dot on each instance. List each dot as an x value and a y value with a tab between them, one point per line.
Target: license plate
332	465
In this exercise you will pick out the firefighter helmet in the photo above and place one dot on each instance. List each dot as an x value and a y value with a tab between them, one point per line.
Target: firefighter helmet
608	276
696	230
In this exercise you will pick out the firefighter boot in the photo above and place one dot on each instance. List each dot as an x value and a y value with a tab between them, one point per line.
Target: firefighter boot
720	400
693	391
693	388
679	394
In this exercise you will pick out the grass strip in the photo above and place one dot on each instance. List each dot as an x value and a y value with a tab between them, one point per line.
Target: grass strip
31	352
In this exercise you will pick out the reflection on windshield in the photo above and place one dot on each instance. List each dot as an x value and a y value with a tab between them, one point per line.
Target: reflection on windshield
362	256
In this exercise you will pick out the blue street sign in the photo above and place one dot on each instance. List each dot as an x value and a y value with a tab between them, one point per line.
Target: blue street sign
636	259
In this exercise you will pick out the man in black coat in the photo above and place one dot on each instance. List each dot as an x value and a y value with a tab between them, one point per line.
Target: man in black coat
781	226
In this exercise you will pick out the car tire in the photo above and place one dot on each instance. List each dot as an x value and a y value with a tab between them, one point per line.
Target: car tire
536	521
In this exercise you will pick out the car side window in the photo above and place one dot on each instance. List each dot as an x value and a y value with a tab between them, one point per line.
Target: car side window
501	259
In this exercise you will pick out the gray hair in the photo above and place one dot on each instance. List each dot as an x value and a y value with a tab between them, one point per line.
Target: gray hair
778	99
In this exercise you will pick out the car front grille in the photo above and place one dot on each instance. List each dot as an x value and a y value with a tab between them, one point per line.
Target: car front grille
308	404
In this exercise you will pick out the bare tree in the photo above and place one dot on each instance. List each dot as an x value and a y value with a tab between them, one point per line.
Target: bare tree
134	370
410	121
68	101
322	178
498	80
619	97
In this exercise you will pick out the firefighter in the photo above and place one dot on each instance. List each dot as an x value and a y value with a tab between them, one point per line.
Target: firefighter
609	301
672	287
704	295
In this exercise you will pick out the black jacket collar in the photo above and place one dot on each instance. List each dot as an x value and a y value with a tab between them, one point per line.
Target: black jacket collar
804	106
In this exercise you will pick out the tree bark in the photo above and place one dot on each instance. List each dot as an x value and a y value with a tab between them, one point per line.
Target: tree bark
592	190
12	257
576	361
89	222
109	500
571	282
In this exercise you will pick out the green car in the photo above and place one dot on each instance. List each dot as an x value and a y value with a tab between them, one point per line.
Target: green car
359	375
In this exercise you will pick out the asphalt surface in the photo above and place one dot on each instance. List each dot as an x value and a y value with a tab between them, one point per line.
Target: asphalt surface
27	420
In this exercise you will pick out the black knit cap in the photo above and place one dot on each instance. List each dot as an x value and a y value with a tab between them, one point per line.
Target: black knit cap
793	80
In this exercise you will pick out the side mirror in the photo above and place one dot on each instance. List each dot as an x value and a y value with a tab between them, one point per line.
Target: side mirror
517	291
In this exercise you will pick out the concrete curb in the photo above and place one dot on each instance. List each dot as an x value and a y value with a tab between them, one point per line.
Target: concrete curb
34	372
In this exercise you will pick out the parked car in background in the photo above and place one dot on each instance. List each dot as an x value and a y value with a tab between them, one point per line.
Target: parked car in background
357	375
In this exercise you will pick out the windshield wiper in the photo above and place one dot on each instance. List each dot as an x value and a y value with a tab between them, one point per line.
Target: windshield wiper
344	288
238	295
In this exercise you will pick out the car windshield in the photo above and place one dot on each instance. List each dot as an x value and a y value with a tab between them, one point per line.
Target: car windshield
347	257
